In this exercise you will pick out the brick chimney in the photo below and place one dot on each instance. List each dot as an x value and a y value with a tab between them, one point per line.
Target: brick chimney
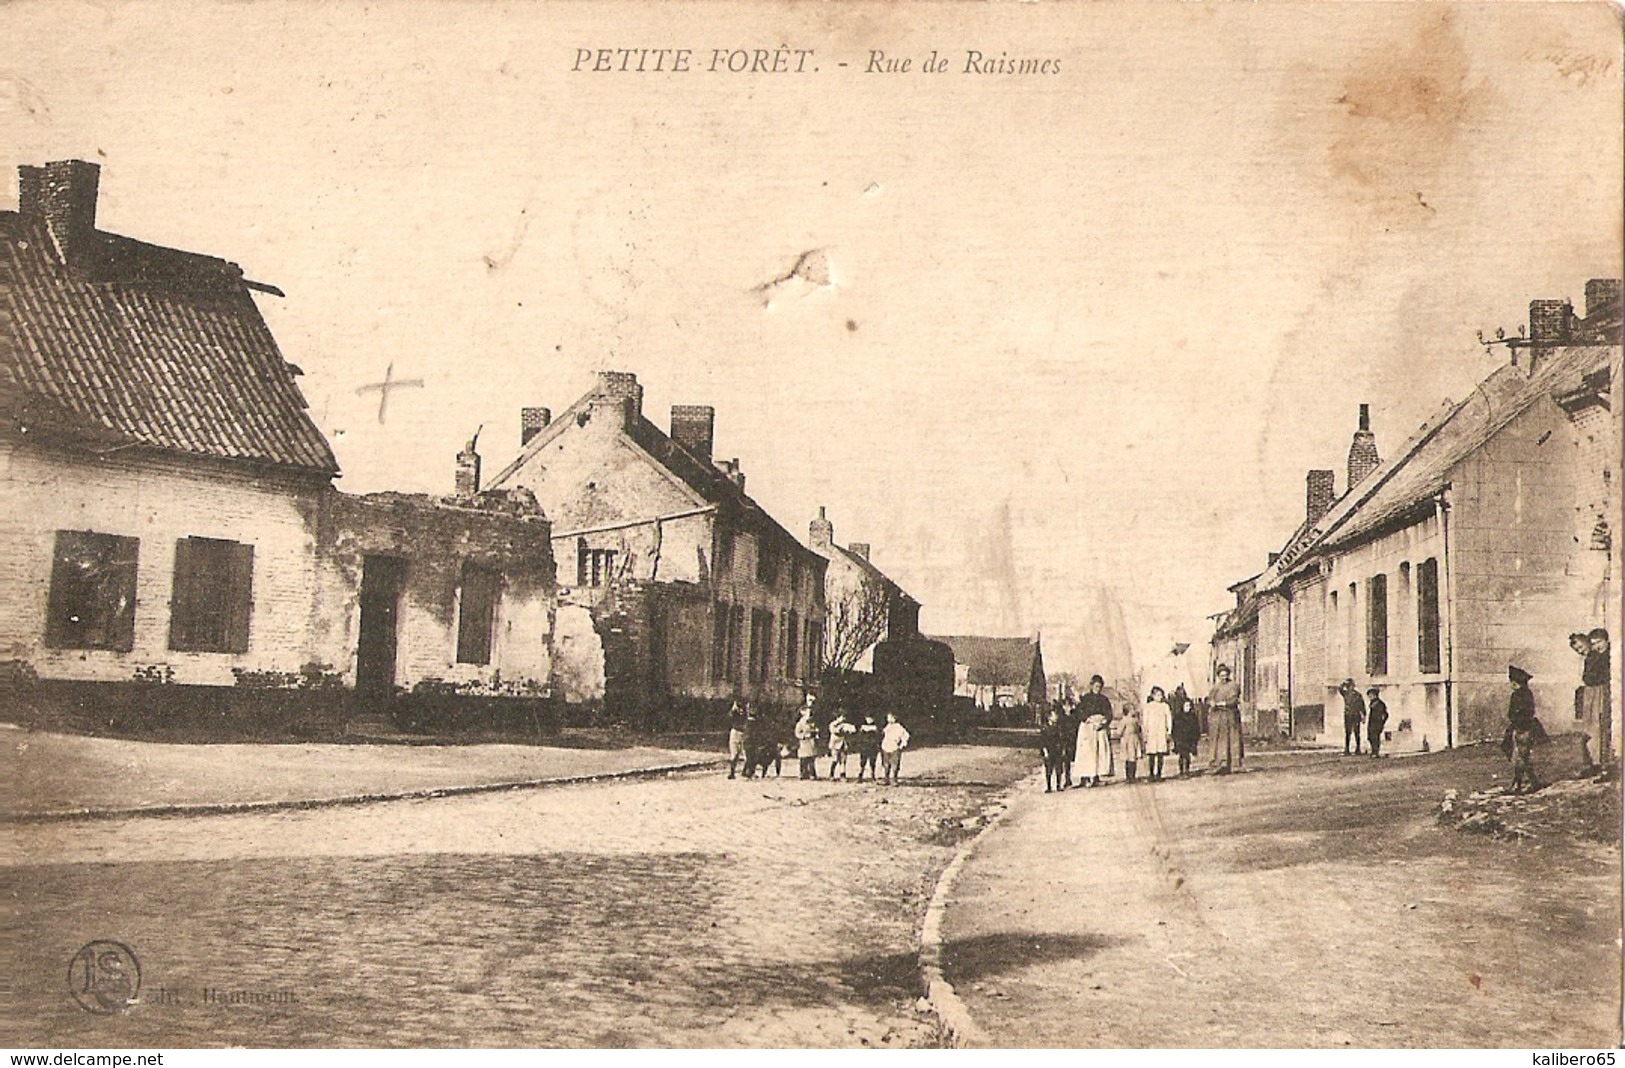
1363	458
821	532
692	426
533	421
1550	321
63	196
619	389
1603	298
1319	493
859	548
468	469
730	469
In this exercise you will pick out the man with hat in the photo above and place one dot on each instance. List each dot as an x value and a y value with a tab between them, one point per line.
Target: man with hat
1524	730
1376	720
1353	715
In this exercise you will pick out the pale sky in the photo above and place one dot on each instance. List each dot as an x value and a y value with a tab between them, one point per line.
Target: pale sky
1083	330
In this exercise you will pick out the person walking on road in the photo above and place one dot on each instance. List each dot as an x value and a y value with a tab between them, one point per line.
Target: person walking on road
1524	731
1353	715
1052	746
807	742
737	721
1187	732
1158	725
1376	718
866	742
893	740
1225	699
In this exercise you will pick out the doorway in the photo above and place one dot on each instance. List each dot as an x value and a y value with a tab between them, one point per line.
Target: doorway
382	579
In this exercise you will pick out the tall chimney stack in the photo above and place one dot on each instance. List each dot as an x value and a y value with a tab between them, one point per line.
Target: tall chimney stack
533	421
1550	321
468	469
1363	458
62	194
1320	493
1603	298
692	426
621	389
821	532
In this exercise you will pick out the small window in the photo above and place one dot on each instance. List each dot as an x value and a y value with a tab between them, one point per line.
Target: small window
92	600
213	594
1376	626
767	562
719	641
594	567
761	644
792	642
1427	616
814	662
477	613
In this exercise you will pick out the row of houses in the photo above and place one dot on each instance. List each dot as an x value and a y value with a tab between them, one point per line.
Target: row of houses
1483	540
177	551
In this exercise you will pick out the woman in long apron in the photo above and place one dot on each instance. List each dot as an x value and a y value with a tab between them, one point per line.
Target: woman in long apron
1225	699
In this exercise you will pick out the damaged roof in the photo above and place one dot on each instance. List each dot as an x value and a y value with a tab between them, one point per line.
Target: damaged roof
141	345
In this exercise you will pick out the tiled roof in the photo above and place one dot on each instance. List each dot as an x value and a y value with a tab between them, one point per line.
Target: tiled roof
144	345
992	661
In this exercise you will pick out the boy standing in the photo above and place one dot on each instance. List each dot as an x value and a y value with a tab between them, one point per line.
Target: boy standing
893	740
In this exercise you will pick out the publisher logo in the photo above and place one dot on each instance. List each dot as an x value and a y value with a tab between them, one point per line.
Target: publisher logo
104	977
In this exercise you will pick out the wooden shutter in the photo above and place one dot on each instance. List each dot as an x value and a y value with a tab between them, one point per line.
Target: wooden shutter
183	596
239	590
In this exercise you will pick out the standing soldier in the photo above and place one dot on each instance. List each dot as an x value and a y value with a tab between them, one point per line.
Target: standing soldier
1353	715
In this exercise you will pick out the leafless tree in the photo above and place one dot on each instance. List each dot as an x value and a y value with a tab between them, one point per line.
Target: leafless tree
857	620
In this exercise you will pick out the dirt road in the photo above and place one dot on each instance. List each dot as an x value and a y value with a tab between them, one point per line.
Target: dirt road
1312	906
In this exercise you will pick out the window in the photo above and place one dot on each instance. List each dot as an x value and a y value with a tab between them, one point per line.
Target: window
1376	625
92	600
212	596
767	562
477	613
594	567
792	641
761	643
719	641
1427	616
736	641
815	650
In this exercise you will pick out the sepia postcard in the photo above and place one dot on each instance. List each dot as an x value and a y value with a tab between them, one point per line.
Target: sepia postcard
804	525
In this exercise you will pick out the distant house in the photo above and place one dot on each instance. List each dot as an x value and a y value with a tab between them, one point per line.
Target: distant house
174	549
693	591
864	605
1485	539
997	672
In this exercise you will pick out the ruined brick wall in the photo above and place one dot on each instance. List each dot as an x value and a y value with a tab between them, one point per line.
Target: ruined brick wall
157	500
435	538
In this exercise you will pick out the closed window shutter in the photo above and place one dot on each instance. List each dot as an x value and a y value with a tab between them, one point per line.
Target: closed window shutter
241	593
183	596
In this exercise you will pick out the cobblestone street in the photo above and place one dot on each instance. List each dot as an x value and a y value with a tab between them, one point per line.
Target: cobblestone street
684	911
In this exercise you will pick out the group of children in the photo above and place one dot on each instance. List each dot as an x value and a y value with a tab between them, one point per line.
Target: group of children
753	740
1077	736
